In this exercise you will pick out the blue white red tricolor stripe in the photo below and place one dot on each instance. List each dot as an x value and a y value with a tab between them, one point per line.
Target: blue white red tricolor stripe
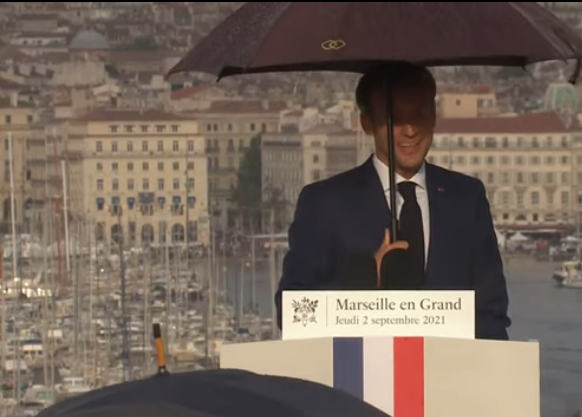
385	372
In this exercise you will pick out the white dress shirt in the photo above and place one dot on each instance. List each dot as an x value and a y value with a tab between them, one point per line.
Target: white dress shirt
421	196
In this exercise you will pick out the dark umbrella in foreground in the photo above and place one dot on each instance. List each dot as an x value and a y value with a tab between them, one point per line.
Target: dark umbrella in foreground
265	37
216	393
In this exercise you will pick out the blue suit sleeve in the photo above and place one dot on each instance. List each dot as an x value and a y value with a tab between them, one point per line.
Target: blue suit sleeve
491	298
307	264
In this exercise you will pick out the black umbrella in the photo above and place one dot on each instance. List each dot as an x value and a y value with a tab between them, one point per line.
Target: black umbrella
215	393
357	36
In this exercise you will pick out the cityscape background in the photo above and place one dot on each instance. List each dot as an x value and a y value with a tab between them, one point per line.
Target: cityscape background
127	199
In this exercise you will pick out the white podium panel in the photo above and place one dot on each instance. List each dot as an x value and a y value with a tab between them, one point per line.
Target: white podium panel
408	376
311	314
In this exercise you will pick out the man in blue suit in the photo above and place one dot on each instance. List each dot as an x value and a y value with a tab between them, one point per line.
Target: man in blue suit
444	215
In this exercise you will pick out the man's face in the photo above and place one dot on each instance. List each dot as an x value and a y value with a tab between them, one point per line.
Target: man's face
414	117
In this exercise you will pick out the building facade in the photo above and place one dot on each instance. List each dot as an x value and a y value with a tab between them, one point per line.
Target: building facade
137	174
27	156
526	163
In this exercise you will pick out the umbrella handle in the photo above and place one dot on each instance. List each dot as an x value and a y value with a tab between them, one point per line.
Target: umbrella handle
391	162
160	353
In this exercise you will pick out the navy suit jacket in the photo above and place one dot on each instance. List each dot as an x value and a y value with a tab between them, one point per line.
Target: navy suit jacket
348	214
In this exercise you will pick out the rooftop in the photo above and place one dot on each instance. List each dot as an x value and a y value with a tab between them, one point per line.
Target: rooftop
130	116
531	123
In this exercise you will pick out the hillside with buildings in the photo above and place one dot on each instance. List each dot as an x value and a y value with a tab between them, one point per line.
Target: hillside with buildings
82	87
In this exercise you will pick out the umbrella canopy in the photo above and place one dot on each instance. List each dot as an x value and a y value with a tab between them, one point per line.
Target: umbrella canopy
354	36
145	409
215	393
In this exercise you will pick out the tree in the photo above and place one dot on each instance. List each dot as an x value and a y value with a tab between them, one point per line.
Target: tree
275	208
247	194
141	43
509	73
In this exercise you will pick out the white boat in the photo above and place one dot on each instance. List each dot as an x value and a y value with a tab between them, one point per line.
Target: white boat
74	386
569	275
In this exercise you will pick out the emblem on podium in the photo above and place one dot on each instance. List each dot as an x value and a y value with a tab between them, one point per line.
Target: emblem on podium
304	311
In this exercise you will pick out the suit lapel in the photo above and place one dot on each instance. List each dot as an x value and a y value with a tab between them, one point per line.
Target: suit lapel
372	203
436	194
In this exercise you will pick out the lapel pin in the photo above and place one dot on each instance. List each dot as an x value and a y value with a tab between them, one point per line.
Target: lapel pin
441	190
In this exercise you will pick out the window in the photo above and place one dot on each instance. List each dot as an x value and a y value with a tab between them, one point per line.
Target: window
535	198
176	166
519	178
115	184
144	146
160	146
145	166
160	184
190	184
99	146
129	146
160	166
130	166
130	185
505	198
564	142
145	184
565	198
113	129
175	128
114	167
190	146
535	178
100	185
175	146
129	129
113	146
190	166
99	167
176	184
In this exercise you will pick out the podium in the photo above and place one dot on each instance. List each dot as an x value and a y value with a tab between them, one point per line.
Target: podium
408	376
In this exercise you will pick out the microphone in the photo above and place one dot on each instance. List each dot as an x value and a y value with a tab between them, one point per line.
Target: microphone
160	354
359	272
396	271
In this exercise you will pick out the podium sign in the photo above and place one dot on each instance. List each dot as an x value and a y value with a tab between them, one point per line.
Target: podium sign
312	314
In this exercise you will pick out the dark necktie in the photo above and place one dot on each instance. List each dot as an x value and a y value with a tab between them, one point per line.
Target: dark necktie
411	230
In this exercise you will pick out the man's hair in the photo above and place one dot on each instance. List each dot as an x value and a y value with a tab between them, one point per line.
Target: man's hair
397	74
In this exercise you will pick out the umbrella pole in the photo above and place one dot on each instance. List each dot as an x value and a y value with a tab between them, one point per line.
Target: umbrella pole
391	162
